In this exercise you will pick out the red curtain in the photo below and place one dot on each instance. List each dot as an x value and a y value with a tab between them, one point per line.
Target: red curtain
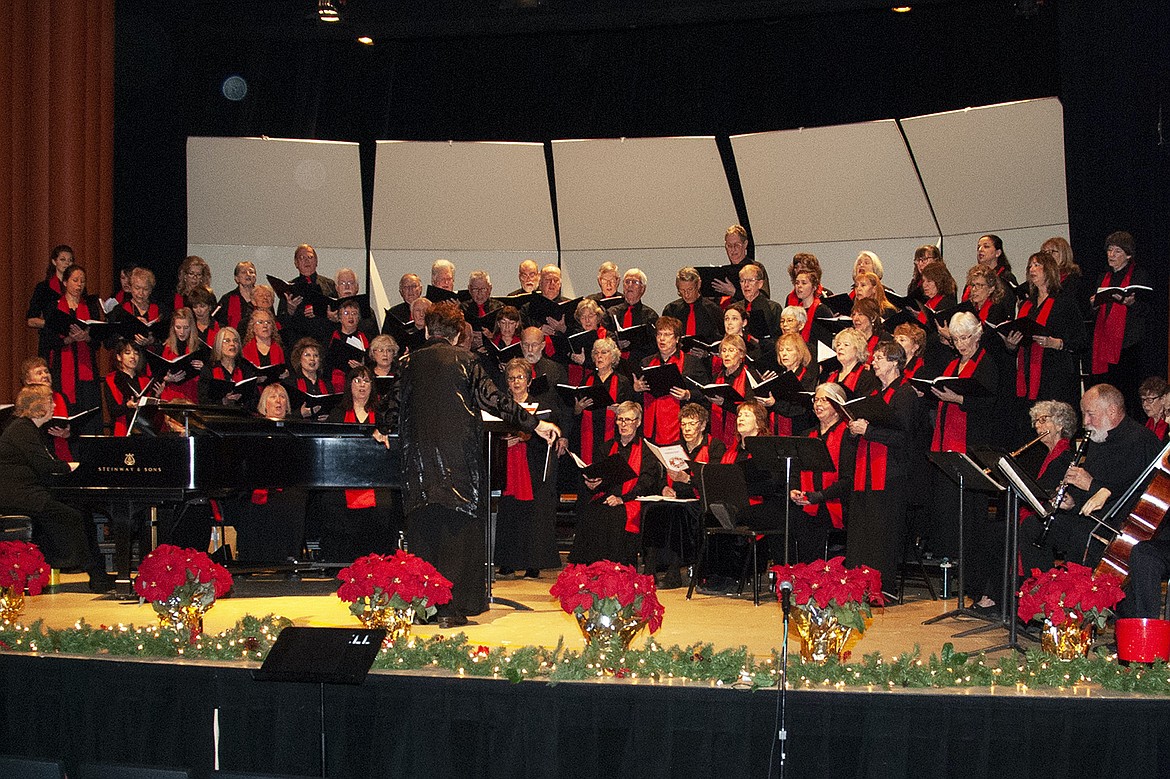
56	153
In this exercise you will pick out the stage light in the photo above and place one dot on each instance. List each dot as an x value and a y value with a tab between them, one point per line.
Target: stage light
327	11
367	40
901	9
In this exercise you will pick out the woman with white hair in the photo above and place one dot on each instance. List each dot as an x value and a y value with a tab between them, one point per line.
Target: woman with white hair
962	421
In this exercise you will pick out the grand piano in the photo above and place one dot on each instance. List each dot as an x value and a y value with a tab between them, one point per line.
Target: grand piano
187	453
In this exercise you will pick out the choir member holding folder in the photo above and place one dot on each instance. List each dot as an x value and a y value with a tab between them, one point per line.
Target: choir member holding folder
263	348
180	375
228	379
125	385
526	525
46	294
236	306
609	523
598	419
1046	338
793	388
824	496
730	388
359	521
662	382
877	504
73	356
309	391
661	549
1121	309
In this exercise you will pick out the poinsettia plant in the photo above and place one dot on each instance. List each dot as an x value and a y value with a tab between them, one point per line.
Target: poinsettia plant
1069	593
22	566
397	581
172	576
611	590
827	587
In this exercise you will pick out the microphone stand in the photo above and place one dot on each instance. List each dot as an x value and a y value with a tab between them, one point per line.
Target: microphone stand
782	729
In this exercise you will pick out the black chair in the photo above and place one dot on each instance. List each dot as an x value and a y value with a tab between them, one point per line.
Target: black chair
724	495
114	771
30	768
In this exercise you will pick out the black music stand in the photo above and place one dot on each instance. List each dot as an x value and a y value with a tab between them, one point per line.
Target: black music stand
1020	487
490	427
780	454
963	471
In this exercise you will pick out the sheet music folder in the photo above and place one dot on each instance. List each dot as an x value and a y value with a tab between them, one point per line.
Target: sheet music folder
321	655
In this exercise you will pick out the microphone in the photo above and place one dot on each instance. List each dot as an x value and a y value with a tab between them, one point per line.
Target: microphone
786	596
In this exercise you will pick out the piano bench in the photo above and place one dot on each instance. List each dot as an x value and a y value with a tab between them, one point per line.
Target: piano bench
15	527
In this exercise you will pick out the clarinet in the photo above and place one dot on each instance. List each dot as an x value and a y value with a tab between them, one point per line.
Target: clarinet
1058	496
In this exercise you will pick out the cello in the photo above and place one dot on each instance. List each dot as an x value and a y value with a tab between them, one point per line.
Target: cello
1140	524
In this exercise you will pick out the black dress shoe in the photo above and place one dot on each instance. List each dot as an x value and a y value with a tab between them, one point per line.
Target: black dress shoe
506	572
452	621
532	573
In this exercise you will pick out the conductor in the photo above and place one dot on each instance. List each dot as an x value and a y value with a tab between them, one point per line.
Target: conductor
443	390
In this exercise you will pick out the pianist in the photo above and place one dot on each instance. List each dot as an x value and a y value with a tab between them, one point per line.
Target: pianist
26	466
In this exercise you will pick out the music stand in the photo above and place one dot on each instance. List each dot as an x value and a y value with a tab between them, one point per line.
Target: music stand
490	427
963	471
1020	486
780	453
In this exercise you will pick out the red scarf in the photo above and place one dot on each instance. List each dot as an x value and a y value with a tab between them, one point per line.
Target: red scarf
872	457
723	420
61	445
518	481
1029	359
950	429
235	309
1062	445
809	481
150	315
633	508
1157	427
587	417
984	310
359	499
252	354
80	368
1109	332
933	305
912	368
850	380
661	424
811	313
188	388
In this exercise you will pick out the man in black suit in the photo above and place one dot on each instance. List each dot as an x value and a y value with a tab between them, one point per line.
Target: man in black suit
700	317
634	312
26	464
302	317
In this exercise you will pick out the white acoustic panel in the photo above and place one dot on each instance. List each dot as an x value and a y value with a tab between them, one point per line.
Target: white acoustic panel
448	197
851	182
259	198
641	193
273	192
993	167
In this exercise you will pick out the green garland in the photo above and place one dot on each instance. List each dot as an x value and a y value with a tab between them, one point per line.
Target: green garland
252	637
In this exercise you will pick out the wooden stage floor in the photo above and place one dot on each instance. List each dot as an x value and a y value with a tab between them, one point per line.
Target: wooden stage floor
724	621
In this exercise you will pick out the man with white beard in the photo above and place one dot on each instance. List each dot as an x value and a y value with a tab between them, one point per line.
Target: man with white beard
1117	452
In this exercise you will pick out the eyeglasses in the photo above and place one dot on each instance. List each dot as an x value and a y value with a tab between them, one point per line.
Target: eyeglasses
1041	420
630	420
633	283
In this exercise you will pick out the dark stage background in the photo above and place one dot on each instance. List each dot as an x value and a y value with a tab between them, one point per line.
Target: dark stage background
559	69
161	714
